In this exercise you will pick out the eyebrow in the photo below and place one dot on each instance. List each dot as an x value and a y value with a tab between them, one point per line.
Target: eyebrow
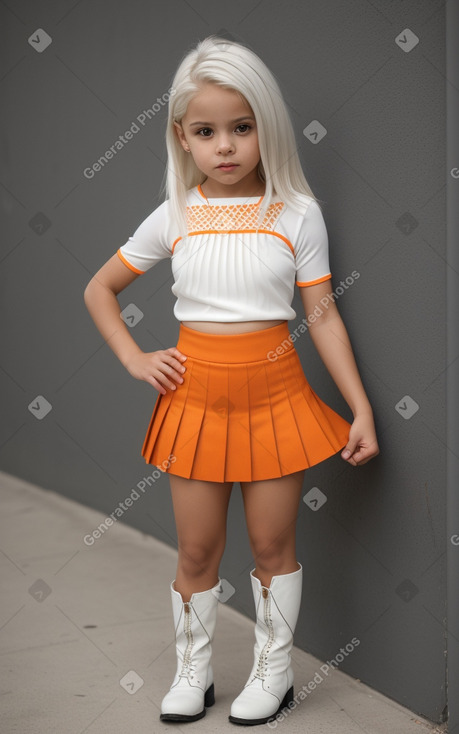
209	124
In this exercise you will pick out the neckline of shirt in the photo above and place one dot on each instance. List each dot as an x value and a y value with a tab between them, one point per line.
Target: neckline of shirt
240	199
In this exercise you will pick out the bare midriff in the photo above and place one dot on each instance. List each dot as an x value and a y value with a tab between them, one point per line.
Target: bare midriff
232	327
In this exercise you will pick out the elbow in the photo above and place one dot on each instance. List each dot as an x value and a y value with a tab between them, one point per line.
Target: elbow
94	289
87	292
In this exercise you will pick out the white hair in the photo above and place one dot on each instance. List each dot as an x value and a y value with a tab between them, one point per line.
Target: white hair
235	67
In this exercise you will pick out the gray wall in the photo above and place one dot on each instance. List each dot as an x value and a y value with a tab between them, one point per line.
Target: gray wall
374	553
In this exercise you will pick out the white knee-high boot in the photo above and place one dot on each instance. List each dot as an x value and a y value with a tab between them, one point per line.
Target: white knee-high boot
270	684
193	686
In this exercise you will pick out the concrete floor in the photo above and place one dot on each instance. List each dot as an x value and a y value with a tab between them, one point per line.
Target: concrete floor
76	622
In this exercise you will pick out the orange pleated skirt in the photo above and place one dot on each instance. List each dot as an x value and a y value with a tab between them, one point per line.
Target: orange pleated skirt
244	412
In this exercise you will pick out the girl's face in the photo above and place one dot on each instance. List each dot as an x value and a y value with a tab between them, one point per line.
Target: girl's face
220	132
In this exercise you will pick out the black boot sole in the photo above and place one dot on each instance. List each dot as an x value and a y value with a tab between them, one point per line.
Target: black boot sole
209	700
288	698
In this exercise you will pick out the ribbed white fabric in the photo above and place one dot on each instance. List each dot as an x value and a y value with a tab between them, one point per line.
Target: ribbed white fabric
230	266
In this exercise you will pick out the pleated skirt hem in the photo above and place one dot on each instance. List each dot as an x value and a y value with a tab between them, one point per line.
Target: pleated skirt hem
244	412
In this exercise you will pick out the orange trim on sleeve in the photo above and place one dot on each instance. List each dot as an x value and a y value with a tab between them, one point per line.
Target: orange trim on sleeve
128	264
174	243
314	282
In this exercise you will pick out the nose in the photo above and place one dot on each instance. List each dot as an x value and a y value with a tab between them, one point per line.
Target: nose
224	144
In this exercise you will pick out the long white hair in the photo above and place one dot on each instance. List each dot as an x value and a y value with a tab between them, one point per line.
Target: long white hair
235	67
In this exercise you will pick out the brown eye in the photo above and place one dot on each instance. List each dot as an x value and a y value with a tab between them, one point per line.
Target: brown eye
205	132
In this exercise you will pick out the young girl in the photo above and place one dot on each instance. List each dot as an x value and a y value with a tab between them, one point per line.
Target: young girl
241	226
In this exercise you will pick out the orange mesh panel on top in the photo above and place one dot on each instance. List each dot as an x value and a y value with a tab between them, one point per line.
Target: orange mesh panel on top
224	217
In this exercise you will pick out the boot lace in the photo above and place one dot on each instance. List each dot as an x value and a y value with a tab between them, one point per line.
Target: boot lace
188	669
188	666
262	666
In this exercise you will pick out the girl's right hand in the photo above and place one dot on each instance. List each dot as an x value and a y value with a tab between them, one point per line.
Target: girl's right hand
158	368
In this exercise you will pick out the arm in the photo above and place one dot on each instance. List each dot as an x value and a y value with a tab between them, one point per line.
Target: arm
331	340
102	303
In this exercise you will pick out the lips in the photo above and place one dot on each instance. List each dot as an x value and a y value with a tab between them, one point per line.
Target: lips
227	165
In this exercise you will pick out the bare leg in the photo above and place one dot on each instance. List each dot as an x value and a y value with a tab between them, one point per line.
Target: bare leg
271	511
200	510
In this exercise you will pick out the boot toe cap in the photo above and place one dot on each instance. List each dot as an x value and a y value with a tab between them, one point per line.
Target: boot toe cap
254	704
183	701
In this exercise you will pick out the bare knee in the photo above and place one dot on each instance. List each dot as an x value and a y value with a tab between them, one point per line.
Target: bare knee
198	559
272	555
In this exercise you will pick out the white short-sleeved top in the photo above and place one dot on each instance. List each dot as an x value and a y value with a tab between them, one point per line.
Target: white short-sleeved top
229	266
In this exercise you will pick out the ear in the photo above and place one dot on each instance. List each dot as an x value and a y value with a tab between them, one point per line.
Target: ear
181	136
